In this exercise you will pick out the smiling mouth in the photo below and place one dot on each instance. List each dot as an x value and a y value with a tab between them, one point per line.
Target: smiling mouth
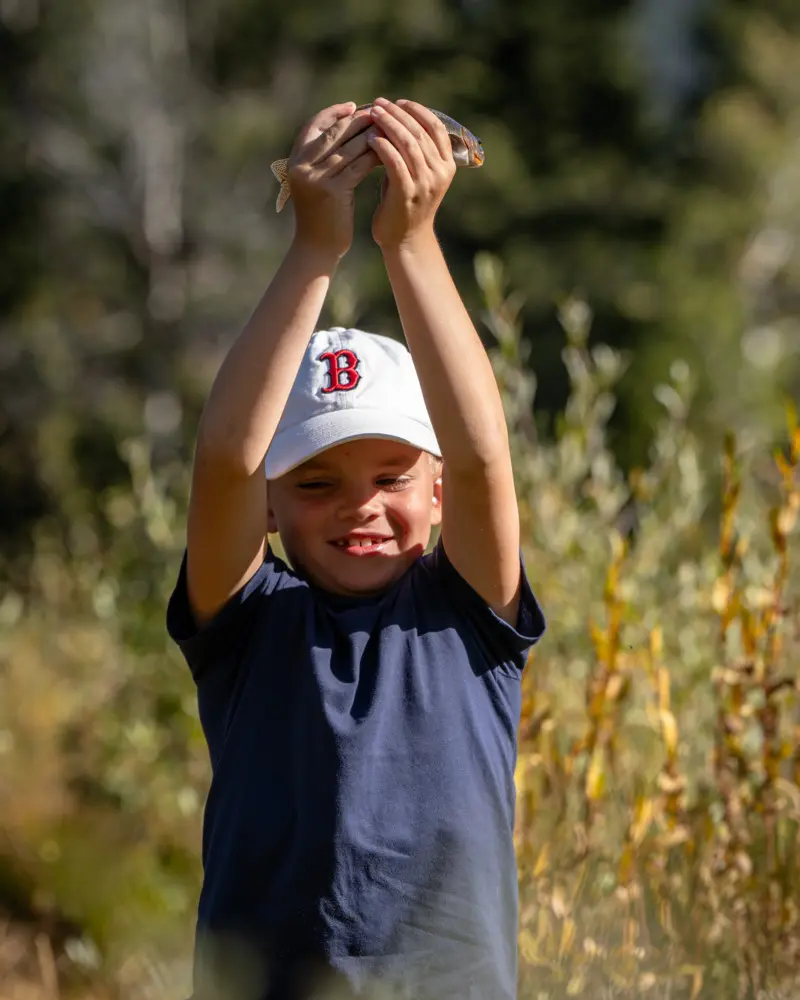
359	545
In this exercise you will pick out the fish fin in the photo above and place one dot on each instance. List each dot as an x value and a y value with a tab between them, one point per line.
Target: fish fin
280	168
283	196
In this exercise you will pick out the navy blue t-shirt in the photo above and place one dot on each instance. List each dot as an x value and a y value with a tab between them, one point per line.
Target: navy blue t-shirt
359	823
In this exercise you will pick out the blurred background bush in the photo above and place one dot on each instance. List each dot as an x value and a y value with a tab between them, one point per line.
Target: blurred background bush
631	252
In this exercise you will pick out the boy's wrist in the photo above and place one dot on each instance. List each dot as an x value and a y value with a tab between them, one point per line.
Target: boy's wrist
422	242
323	259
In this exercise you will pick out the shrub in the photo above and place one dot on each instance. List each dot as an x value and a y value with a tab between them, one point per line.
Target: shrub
658	798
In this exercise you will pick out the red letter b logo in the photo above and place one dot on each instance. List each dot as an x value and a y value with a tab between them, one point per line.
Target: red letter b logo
341	377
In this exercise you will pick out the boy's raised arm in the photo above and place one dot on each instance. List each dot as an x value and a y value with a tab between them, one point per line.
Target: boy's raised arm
227	520
480	526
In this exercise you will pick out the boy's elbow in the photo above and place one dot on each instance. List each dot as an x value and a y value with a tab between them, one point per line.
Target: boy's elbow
481	453
229	455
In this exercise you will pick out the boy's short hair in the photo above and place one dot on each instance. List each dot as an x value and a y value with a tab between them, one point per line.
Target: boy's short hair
351	384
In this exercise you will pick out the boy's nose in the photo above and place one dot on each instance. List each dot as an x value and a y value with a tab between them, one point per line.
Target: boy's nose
360	504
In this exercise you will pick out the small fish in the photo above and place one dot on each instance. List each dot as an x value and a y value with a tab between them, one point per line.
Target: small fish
467	152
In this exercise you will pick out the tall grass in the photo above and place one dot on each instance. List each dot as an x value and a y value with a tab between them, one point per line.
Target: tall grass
658	813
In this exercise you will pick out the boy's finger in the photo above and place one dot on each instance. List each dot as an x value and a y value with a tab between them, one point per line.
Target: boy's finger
406	134
355	171
339	158
432	125
335	137
414	135
323	120
397	171
319	147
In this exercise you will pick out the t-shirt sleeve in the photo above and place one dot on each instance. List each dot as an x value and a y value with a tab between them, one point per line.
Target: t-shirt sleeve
505	644
220	639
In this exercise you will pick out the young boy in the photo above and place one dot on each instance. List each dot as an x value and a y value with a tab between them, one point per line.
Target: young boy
361	707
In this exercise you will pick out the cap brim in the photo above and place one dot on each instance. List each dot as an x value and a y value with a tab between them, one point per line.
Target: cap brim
295	445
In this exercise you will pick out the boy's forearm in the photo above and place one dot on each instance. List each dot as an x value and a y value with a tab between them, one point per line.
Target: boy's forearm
455	372
251	388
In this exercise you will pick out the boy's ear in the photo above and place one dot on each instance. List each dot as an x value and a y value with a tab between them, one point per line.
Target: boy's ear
436	510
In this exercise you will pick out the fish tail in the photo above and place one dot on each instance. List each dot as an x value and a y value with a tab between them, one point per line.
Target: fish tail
283	196
280	168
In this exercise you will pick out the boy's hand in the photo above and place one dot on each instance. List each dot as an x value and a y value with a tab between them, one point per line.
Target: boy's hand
331	156
414	147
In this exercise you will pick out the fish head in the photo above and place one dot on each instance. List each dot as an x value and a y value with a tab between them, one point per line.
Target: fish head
474	149
467	147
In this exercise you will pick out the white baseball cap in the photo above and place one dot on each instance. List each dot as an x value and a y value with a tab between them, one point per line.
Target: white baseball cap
350	385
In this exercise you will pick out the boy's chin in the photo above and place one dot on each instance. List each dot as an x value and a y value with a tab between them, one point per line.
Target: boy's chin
353	576
367	577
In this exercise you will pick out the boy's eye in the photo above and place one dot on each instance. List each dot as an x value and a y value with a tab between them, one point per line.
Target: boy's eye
385	483
314	484
392	482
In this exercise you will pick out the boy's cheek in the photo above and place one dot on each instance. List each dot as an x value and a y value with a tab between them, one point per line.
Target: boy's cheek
412	515
301	533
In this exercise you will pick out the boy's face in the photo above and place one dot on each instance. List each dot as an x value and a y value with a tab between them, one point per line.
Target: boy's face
357	516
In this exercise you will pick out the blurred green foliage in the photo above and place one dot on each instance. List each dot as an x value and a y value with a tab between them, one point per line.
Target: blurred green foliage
630	246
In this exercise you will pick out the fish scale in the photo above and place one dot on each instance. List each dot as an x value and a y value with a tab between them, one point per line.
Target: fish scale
467	152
